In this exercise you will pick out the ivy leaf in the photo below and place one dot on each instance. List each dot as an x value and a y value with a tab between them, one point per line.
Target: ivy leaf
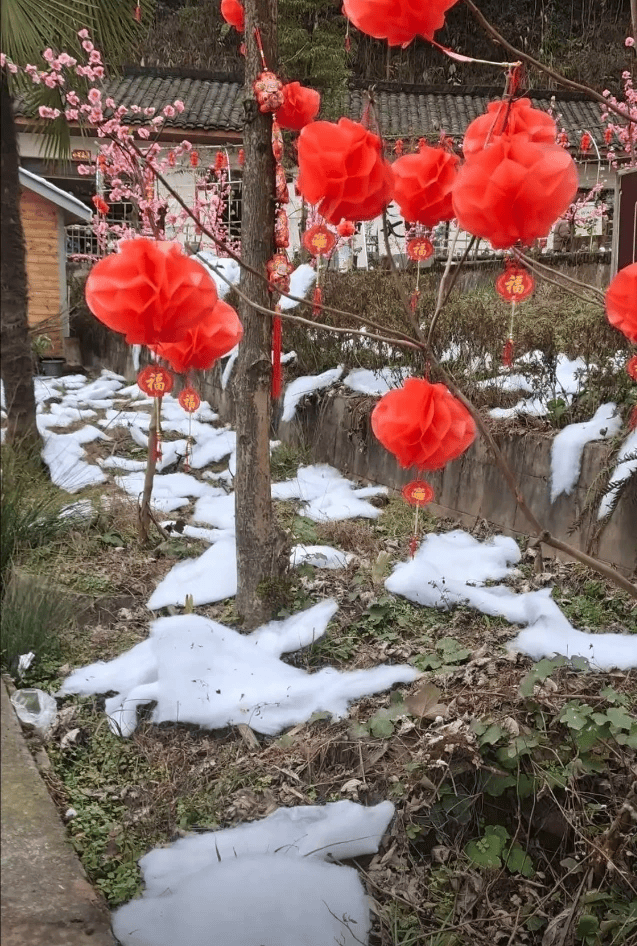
575	715
381	726
485	852
620	718
588	924
519	862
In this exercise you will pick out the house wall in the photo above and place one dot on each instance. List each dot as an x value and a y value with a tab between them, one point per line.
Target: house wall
46	292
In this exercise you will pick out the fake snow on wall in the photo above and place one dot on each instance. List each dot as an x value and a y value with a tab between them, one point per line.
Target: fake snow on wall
568	447
626	466
268	883
199	671
451	569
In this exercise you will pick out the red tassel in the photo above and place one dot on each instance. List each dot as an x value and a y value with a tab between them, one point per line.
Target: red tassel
277	367
507	353
632	423
413	300
317	299
138	13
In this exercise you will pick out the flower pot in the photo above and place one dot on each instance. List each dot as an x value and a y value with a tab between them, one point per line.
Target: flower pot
52	367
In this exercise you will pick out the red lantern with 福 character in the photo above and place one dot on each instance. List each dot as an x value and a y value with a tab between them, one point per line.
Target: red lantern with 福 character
418	493
155	381
419	249
189	400
318	240
515	284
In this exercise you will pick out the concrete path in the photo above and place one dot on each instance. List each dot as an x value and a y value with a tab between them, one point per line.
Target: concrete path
46	898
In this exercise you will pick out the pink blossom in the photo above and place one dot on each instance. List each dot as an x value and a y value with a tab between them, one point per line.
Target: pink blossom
88	46
45	112
50	81
72	98
157	120
83	34
169	111
150	110
33	74
71	114
48	55
94	96
11	66
110	102
3	60
95	115
143	133
179	105
98	72
629	41
67	60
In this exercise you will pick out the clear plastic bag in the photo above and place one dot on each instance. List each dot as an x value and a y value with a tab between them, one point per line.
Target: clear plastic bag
35	708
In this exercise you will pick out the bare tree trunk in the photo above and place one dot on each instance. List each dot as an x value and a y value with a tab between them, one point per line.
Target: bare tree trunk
633	17
17	363
260	544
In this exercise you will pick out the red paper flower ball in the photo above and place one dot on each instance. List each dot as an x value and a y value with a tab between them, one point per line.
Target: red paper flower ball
514	191
341	168
150	291
509	118
397	21
300	106
206	342
423	184
621	302
423	425
233	13
346	229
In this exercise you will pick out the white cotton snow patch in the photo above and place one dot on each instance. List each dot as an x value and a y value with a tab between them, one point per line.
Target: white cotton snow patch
64	456
210	577
216	265
451	569
568	447
320	556
123	463
114	418
170	491
216	445
198	671
303	277
378	382
62	417
327	495
569	376
626	465
81	511
227	368
507	382
217	511
300	387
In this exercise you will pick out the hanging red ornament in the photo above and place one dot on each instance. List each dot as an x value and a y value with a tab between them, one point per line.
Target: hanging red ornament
150	291
422	424
155	381
300	106
507	353
194	158
342	169
632	422
281	229
277	142
418	493
279	269
233	13
419	249
268	90
621	302
562	140
100	204
221	162
631	367
423	183
399	147
317	300
241	157
189	400
508	118
608	135
346	229
281	194
209	340
413	300
171	159
515	284
277	365
318	240
585	143
514	191
138	13
397	21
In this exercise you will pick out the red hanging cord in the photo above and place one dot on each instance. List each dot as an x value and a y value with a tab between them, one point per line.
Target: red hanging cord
277	367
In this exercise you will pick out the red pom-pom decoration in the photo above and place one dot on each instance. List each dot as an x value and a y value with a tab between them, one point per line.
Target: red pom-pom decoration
621	302
346	229
397	21
100	204
514	191
300	106
423	183
341	168
631	367
508	118
423	425
150	291
206	342
233	13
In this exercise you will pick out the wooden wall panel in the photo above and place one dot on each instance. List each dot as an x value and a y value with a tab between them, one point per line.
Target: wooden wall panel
40	222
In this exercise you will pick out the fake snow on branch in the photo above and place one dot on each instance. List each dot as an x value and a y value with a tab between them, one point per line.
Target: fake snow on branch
626	466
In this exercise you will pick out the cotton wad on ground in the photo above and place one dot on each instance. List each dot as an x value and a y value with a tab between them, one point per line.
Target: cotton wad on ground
423	425
397	21
514	190
150	291
621	302
342	169
202	345
423	184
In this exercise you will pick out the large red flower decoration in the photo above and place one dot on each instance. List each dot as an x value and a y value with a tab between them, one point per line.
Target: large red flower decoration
423	425
342	169
150	291
300	106
233	13
514	190
621	302
509	118
206	342
397	21
423	183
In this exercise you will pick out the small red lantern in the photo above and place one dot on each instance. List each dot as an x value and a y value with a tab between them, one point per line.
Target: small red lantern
194	158
585	143
631	367
277	142
221	161
346	229
300	106
318	240
281	229
268	90
621	302
419	248
399	147
138	13
155	380
505	118
281	193
171	159
423	184
100	204
241	157
189	400
562	139
209	340
418	493
515	284
279	269
608	135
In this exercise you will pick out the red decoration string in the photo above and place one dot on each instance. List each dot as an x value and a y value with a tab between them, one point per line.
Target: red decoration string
507	353
632	423
277	367
138	13
257	37
317	299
